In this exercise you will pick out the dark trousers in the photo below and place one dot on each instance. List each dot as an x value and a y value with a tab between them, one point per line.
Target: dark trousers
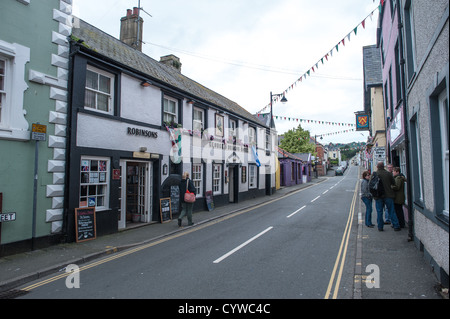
399	214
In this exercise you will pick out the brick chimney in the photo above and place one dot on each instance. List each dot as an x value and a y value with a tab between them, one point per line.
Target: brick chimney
172	61
130	28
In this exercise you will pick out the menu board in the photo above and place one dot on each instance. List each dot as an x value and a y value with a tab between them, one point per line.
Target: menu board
175	198
85	224
165	210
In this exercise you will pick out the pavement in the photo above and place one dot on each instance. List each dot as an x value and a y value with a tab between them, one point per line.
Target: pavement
403	273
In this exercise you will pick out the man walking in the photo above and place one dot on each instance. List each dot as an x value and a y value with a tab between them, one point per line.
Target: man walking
387	198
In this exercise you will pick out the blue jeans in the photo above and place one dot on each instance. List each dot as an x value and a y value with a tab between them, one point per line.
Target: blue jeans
389	202
368	202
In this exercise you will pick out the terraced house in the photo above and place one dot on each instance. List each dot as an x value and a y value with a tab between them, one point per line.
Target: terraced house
413	41
137	124
34	69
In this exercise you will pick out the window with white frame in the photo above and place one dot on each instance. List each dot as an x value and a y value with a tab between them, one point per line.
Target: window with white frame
251	136
268	144
99	90
13	60
94	182
252	176
170	111
217	179
2	87
232	129
197	179
198	122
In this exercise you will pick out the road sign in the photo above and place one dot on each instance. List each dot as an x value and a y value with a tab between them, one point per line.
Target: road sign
38	132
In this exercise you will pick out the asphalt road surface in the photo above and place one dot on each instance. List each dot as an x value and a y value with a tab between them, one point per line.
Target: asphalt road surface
301	246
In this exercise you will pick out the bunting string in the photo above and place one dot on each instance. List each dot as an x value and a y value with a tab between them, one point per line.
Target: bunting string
294	119
329	134
324	58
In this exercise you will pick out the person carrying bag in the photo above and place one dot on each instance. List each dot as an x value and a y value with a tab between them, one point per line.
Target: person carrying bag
187	189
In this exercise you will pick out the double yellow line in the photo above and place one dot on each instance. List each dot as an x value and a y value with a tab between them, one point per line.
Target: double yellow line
145	246
340	260
108	259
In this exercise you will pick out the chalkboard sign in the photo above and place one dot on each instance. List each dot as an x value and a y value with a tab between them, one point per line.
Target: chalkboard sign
209	200
85	224
175	198
165	210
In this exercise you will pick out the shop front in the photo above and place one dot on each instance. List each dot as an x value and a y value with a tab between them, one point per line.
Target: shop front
136	193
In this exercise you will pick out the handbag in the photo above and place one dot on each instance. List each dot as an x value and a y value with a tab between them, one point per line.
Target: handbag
188	196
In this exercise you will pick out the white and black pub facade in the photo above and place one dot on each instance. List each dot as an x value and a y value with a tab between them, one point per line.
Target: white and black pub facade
137	124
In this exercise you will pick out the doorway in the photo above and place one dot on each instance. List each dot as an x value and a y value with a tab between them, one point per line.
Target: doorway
268	181
136	193
233	184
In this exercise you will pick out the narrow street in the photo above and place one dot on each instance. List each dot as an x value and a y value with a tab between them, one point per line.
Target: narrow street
288	248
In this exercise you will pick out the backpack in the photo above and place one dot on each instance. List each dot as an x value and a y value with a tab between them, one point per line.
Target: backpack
376	186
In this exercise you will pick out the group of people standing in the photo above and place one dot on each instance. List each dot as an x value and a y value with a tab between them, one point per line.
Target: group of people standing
392	200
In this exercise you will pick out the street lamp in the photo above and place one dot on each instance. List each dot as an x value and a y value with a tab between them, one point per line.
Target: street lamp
316	162
283	100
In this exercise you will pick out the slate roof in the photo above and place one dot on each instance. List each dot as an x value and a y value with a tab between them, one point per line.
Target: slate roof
372	66
373	75
106	45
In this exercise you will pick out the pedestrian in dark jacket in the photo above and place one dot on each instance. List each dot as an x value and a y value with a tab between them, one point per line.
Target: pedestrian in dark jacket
186	208
366	197
387	198
399	200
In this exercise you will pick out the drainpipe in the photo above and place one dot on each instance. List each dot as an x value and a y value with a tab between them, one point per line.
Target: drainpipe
405	125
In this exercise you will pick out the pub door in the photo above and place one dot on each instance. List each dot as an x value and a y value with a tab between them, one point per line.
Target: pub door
136	193
233	184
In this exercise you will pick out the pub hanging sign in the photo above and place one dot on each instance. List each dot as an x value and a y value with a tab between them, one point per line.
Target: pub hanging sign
362	122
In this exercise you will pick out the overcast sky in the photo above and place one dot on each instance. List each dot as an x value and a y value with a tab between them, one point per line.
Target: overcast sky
244	49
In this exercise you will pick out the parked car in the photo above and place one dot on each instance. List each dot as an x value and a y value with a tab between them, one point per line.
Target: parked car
339	171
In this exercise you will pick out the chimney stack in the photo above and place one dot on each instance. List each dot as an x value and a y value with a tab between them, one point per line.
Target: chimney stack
172	61
131	29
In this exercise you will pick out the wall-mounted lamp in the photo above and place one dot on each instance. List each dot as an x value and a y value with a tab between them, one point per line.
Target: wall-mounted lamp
145	84
142	149
190	102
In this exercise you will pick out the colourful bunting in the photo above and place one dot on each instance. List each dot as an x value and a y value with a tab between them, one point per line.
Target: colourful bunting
328	54
294	119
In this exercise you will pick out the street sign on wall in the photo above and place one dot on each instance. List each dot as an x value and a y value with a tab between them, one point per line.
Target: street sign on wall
379	155
38	132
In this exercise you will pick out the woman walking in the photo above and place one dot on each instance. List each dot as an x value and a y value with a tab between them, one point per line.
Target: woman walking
186	208
366	197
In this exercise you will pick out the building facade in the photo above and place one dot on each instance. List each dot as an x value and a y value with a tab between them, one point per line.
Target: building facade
376	148
137	124
425	33
389	42
291	168
33	90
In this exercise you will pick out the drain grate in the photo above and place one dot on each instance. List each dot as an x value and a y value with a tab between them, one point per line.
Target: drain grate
12	294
